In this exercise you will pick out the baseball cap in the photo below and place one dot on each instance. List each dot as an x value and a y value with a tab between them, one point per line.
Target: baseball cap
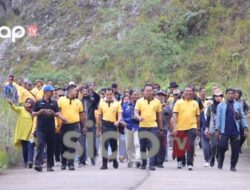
48	88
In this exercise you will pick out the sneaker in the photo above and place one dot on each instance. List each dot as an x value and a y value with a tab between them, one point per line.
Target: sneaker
71	167
63	167
190	168
115	164
206	164
30	165
38	168
130	165
50	169
57	164
104	168
179	165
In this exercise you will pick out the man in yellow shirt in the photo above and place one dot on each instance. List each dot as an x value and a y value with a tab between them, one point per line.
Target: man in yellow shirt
38	89
148	110
110	114
72	110
186	122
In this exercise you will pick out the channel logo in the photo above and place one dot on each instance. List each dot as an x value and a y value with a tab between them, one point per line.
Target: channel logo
18	32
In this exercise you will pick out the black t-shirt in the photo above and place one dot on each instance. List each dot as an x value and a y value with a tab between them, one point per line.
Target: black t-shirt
46	122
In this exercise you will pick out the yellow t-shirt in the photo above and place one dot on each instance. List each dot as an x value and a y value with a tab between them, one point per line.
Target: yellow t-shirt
148	111
70	109
170	99
109	110
38	93
24	94
187	113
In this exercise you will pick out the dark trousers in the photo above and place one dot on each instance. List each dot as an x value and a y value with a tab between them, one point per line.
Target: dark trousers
160	158
82	141
45	138
242	136
65	129
223	147
28	151
57	147
112	142
214	147
185	153
146	145
92	131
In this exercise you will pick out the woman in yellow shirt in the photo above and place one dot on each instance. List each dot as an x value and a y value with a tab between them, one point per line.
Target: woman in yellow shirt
23	130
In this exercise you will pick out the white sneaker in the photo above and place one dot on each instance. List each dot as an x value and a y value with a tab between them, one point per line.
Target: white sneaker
57	164
179	165
206	164
190	168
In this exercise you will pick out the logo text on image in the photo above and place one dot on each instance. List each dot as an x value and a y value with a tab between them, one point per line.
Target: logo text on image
18	32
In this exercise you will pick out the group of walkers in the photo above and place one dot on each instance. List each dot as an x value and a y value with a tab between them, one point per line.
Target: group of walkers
124	125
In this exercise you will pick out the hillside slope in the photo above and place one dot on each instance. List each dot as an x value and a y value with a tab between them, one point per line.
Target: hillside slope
132	41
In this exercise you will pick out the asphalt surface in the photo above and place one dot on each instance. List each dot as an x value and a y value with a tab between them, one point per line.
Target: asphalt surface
91	177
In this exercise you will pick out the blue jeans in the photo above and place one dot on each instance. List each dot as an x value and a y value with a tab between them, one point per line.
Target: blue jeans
163	150
205	142
146	144
28	151
122	145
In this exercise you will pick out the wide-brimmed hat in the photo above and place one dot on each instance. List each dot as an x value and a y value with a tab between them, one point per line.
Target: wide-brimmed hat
173	85
160	92
218	92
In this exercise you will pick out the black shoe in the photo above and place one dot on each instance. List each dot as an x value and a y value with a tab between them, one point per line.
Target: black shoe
63	167
38	168
30	165
71	167
50	169
93	161
143	167
115	164
220	166
212	162
160	166
104	168
241	151
25	165
138	164
152	168
233	170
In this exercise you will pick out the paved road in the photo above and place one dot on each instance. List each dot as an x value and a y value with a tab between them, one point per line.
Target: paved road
90	177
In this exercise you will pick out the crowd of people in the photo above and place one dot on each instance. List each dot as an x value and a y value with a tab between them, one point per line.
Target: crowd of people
76	122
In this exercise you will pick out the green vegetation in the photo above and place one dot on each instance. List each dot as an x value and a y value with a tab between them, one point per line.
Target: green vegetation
9	156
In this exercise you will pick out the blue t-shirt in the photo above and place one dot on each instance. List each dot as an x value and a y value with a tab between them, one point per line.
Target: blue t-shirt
230	126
